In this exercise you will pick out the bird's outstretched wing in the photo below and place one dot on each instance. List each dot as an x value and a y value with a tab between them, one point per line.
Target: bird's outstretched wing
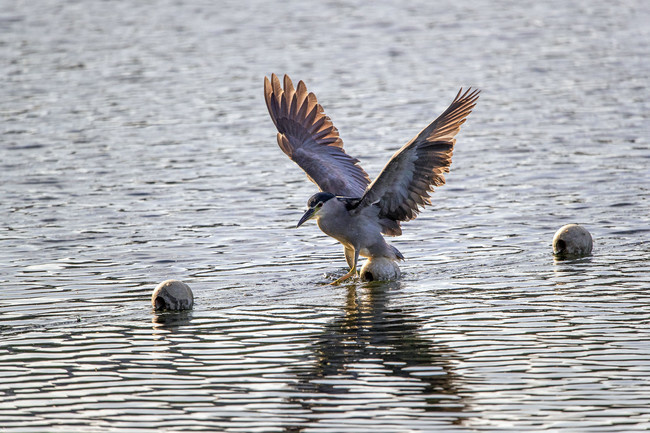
404	184
310	139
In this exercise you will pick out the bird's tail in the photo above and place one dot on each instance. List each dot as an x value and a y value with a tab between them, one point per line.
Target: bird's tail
398	255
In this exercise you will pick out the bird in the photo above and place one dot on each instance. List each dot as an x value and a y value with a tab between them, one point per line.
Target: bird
349	207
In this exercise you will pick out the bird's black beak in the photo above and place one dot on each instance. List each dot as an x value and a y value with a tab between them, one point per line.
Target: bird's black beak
307	216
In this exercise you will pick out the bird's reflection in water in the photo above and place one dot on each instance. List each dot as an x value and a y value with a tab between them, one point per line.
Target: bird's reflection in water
373	363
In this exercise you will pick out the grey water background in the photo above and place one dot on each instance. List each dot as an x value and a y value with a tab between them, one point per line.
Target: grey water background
136	147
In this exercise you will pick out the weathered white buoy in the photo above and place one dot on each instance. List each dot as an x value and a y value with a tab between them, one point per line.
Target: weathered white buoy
172	295
380	269
572	240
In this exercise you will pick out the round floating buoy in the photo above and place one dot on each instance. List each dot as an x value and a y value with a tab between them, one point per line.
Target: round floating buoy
380	269
572	241
172	295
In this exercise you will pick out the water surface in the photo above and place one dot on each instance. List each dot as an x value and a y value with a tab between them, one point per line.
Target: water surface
135	147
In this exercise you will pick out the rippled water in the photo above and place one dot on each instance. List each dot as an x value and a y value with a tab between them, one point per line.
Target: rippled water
136	147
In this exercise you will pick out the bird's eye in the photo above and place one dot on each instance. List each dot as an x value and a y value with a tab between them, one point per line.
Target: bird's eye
319	205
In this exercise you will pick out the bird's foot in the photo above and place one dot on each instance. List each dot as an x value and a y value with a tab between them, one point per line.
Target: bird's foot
353	272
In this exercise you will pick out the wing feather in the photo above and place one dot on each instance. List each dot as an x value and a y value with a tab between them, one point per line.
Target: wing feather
403	186
310	139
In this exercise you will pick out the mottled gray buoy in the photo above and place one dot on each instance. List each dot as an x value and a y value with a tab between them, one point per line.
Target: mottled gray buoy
172	295
572	240
380	269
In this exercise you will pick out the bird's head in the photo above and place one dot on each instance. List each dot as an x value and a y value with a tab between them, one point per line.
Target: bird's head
315	203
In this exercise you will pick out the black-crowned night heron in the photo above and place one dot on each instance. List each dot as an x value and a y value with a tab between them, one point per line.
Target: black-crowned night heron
349	207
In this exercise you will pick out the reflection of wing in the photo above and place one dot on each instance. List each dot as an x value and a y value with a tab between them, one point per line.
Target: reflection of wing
404	183
310	139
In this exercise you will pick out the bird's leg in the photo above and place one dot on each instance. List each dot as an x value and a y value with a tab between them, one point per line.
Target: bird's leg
352	257
349	256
